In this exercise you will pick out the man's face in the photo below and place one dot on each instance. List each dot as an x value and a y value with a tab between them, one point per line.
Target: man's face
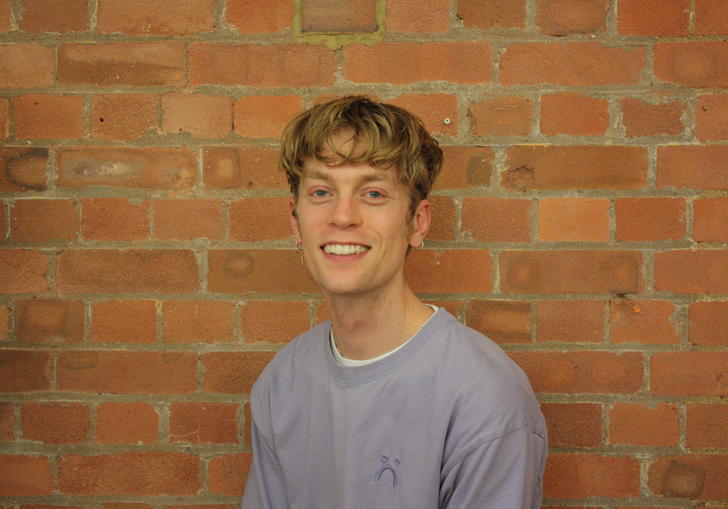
354	224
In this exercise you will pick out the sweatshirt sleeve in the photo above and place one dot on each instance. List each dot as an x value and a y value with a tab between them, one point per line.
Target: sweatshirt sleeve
506	472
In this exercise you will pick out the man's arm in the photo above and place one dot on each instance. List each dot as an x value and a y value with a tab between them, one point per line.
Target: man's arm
265	488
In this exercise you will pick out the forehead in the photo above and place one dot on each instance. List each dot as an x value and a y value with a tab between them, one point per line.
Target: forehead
315	169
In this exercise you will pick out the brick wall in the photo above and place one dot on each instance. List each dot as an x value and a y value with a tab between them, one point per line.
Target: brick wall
146	275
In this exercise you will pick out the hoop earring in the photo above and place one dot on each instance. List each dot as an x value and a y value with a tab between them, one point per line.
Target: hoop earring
422	244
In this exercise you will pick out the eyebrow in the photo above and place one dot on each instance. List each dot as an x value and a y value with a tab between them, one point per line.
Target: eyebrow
315	174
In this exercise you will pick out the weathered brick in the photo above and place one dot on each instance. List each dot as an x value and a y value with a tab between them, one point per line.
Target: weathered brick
187	219
48	116
640	424
257	271
708	323
711	117
662	18
695	476
54	423
687	271
126	271
198	321
578	476
338	17
120	117
274	321
114	219
7	422
502	321
501	116
575	167
692	64
4	318
4	117
259	219
573	219
22	475
23	169
698	167
415	16
650	219
573	424
126	505
571	64
254	17
710	17
497	219
206	422
242	168
5	14
24	371
156	17
643	321
563	17
23	271
123	321
570	320
232	372
26	66
200	116
41	220
706	425
554	272
56	16
449	271
689	373
122	63
710	223
264	116
404	62
227	473
465	167
118	422
439	112
491	14
123	372
641	118
578	115
41	320
443	218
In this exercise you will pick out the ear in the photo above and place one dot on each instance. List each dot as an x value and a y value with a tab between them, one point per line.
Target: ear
293	218
421	221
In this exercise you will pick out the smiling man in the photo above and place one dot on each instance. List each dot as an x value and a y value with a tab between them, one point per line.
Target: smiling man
391	403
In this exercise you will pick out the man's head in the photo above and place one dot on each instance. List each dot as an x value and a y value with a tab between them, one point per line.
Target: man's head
357	130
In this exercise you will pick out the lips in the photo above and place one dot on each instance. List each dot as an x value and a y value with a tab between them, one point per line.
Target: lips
344	249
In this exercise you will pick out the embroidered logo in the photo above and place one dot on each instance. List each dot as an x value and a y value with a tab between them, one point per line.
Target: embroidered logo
387	466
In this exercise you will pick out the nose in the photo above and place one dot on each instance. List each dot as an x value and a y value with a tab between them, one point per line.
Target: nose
345	213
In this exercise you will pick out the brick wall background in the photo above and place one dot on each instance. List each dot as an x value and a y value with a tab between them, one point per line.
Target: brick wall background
146	275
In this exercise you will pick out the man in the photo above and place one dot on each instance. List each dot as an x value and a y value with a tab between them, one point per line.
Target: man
391	403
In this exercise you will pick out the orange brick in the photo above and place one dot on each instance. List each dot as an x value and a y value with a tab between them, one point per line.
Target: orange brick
650	425
563	17
578	476
227	474
265	116
641	118
573	424
161	17
699	167
41	220
5	14
692	64
500	320
42	320
403	62
449	271
123	321
22	475
23	271
297	65
25	168
710	220
187	219
443	218
573	219
140	372
706	425
4	117
26	66
571	64
692	271
695	476
497	219
254	17
56	16
206	422
570	320
201	116
122	63
338	17
233	372
126	505
414	16
489	14
653	17
439	112
120	117
132	423
115	219
259	219
24	371
650	219
257	271
54	423
708	323
689	373
7	422
642	321
710	17
465	167
242	168
575	167
4	318
48	116
501	116
573	114
711	117
274	321
199	321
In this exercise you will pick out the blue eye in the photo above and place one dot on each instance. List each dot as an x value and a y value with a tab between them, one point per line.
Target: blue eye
320	193
374	194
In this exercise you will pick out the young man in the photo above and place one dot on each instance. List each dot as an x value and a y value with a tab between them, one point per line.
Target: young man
391	403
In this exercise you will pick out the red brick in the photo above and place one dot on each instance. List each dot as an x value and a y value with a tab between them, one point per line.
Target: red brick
123	321
650	219
573	424
54	423
25	475
490	14
711	117
578	476
689	373
706	425
127	271
41	220
570	320
710	17
278	65
415	16
115	219
698	167
439	112
443	218
257	271
187	219
23	271
449	271
131	423
227	474
48	116
200	116
465	167
127	372
233	372
692	271
695	476
574	114
24	371
256	219
4	317
710	220
7	422
582	371
254	17
502	321
554	272
573	219
643	321
201	506
122	63
120	117
156	17
140	473
641	118
708	323
692	64
26	66
4	117
265	116
575	167
5	15
501	116
126	505
338	17
638	424
146	168
274	321
563	17
25	169
404	62
497	219
199	321
571	64
206	422
56	16
42	320
653	17
242	168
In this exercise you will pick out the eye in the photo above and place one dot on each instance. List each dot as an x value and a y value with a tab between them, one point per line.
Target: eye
319	193
373	194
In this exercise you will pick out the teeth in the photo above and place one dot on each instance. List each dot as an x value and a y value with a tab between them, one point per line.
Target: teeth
344	249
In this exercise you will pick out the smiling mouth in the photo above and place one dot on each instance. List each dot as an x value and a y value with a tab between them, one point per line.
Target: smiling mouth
344	249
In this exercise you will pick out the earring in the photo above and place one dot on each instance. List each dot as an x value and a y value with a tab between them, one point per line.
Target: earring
422	244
